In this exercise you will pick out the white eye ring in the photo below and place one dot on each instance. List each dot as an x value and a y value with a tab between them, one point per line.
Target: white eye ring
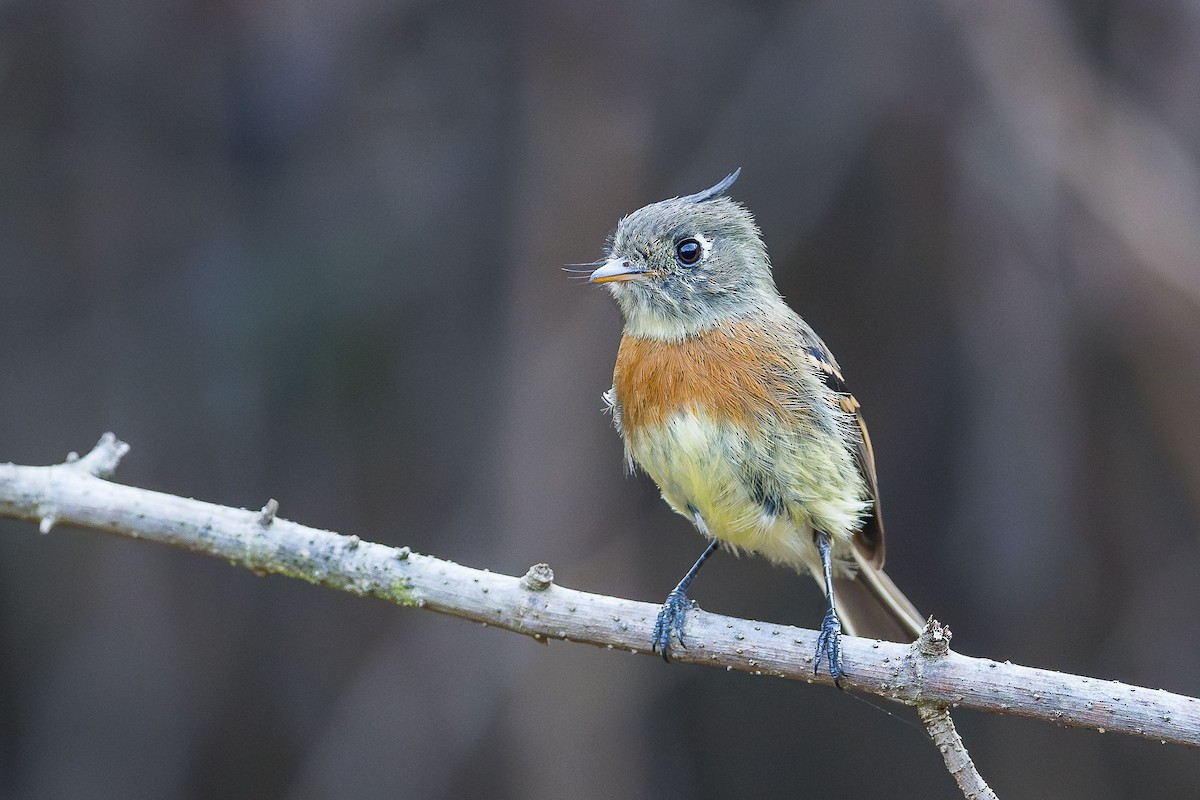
692	251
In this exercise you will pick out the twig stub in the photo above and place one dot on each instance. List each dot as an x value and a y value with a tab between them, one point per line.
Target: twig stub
102	461
267	514
539	578
934	640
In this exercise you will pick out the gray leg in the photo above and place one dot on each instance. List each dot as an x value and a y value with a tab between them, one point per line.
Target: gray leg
829	643
674	611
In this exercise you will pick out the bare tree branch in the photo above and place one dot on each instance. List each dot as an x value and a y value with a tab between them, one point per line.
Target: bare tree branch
941	729
934	642
261	541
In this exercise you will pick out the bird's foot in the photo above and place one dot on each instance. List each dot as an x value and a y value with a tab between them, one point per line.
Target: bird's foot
671	618
829	646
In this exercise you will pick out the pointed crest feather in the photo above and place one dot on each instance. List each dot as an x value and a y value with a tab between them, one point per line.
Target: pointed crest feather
715	191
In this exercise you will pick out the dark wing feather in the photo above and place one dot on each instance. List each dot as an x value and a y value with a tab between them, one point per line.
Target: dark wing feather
869	538
868	602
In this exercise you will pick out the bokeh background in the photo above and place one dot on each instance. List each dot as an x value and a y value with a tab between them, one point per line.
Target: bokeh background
311	251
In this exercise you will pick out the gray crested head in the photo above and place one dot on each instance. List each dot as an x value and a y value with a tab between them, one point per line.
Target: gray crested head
681	266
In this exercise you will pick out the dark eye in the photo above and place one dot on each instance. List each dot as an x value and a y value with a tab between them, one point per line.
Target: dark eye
688	252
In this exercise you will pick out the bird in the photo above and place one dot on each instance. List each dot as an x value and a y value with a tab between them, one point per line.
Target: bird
739	413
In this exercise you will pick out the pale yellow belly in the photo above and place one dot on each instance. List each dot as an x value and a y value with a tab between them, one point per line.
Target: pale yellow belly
701	468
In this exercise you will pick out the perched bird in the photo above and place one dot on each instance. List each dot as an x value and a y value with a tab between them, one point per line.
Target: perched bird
731	403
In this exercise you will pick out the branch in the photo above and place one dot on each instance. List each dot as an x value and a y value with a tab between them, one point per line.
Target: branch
934	642
945	736
535	606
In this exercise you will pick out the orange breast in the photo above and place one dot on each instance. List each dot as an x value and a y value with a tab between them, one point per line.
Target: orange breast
731	373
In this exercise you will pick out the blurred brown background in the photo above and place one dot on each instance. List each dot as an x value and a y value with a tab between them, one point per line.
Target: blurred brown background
310	251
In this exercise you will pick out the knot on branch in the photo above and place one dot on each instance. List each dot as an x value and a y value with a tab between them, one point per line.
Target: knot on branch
539	578
935	639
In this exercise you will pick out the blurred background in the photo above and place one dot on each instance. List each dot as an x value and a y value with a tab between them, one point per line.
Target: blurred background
311	251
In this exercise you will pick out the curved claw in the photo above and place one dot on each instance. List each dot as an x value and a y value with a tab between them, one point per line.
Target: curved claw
829	645
671	619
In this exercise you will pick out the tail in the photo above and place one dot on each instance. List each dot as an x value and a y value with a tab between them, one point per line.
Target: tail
869	604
